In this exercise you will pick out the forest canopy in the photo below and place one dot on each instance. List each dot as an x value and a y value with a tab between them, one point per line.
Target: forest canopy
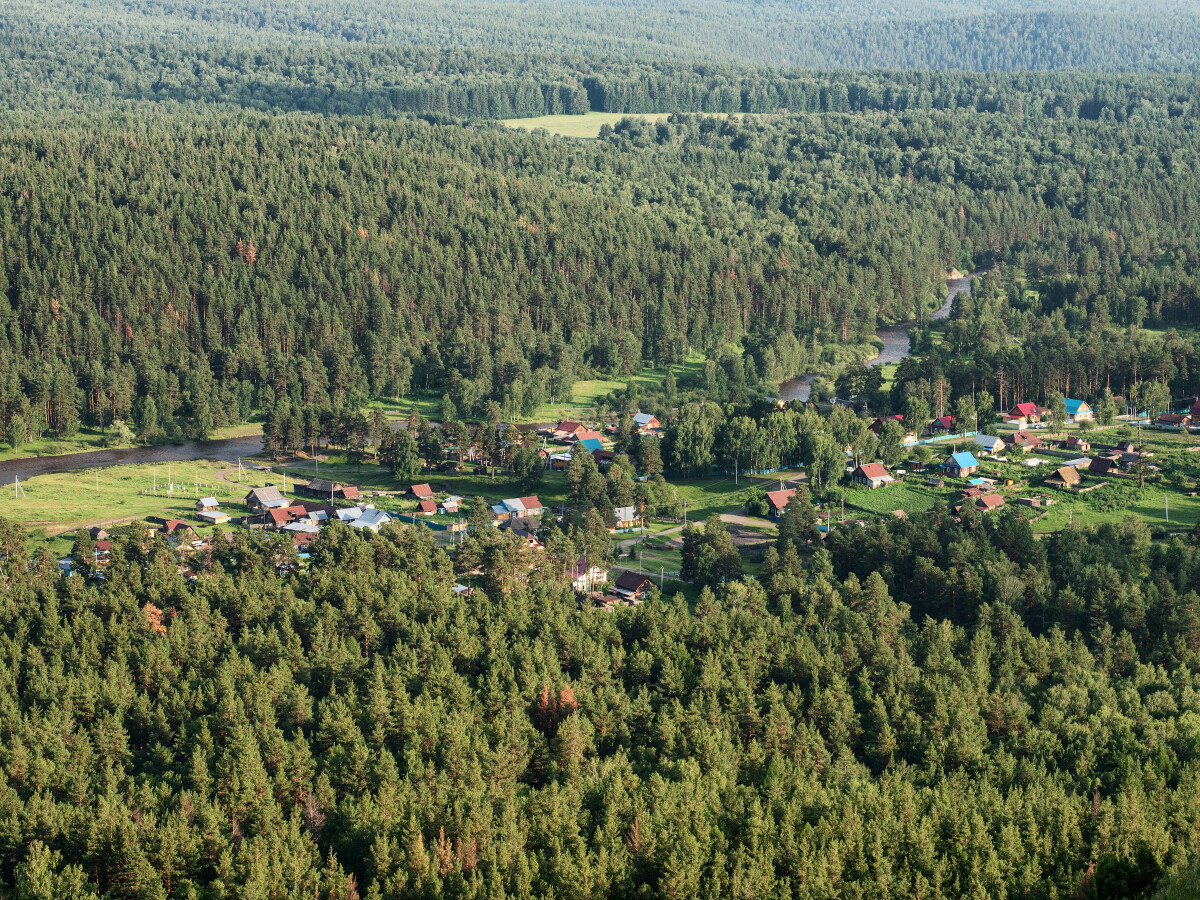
214	261
363	731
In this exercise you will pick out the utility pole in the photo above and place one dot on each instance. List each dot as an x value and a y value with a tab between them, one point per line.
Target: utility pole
1141	461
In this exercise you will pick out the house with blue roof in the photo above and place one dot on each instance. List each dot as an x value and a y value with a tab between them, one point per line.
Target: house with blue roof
1078	411
961	464
590	444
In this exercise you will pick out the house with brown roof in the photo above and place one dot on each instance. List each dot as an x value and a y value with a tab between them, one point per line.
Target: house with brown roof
178	530
1023	441
588	435
421	492
1076	444
871	475
777	501
633	586
1064	477
1101	465
1173	421
278	518
568	429
983	503
427	507
324	489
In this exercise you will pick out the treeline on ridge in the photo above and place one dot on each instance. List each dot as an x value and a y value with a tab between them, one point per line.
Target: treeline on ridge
493	84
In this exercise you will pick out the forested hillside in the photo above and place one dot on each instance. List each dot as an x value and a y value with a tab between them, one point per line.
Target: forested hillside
211	262
1009	35
363	732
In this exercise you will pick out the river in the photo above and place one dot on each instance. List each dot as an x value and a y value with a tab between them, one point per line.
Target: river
895	348
894	338
231	450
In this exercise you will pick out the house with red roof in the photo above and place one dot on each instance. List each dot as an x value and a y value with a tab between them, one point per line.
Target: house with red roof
880	421
940	425
871	475
777	502
1023	414
421	492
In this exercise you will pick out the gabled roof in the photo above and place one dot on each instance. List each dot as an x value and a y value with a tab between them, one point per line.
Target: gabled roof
1075	406
531	504
643	419
322	486
780	499
961	460
588	435
590	444
173	525
267	496
513	506
286	514
942	422
569	426
371	518
625	513
1023	439
349	514
206	502
986	440
1068	475
1025	409
990	501
634	581
873	470
428	506
422	491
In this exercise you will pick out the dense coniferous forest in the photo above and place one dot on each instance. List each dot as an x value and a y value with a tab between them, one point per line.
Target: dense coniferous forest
181	268
927	710
996	35
212	212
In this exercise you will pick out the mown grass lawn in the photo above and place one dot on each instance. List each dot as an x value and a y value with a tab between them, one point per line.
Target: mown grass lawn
51	504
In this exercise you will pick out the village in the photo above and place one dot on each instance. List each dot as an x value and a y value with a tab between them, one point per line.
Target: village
1018	466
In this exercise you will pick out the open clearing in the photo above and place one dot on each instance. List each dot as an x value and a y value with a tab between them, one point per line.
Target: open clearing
588	125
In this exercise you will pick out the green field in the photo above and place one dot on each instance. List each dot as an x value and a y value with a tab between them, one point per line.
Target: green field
584	126
1068	510
53	505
